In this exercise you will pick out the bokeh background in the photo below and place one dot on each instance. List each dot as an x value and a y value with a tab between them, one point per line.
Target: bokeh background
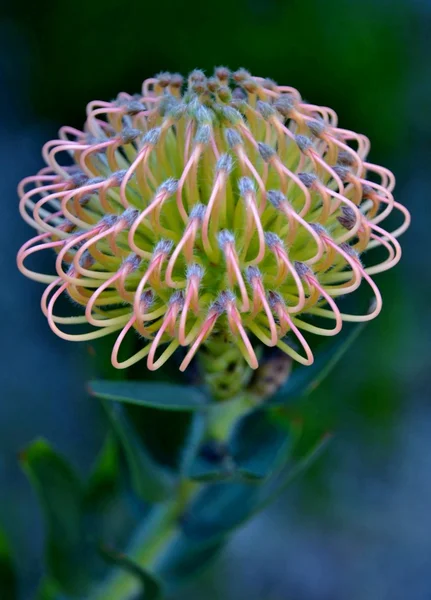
358	526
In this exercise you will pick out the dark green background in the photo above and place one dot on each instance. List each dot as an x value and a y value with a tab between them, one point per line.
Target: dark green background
358	526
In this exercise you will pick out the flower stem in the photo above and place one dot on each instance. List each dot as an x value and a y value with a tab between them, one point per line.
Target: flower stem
161	527
148	543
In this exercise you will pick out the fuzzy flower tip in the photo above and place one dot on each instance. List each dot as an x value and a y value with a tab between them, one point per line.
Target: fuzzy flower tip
220	204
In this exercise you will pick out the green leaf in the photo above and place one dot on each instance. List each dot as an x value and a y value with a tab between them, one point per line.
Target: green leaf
258	444
151	586
281	480
103	482
185	559
193	441
205	468
106	505
219	508
8	583
305	380
150	480
160	395
201	460
47	590
70	558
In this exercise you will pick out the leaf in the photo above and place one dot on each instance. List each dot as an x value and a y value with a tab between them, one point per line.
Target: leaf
8	583
185	559
258	444
103	482
107	510
151	586
304	380
211	464
166	396
219	508
150	480
283	479
70	557
193	441
201	459
47	590
163	432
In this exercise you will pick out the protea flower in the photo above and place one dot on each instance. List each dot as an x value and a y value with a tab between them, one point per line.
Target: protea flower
225	206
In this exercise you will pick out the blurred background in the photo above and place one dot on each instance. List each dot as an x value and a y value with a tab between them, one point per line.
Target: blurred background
358	526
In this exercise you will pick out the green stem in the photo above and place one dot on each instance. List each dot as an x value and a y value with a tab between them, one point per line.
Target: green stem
149	541
224	415
161	527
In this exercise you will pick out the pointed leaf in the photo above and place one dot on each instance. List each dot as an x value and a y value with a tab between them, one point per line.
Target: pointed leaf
305	380
150	480
166	396
258	444
8	583
151	587
186	559
70	557
281	480
203	460
103	482
212	463
219	508
193	441
47	590
108	512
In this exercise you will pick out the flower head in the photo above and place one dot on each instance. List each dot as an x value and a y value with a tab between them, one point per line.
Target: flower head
226	203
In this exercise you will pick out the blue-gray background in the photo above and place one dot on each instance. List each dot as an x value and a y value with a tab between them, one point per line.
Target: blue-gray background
358	526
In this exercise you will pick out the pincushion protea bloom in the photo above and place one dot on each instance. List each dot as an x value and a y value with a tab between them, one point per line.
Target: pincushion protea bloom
229	206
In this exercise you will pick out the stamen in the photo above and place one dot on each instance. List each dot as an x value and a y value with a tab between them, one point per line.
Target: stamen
203	137
191	300
377	303
185	245
226	243
282	170
149	142
129	266
213	209
165	191
175	305
161	252
246	189
75	337
286	324
285	267
313	282
254	277
28	248
206	329
278	200
236	326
